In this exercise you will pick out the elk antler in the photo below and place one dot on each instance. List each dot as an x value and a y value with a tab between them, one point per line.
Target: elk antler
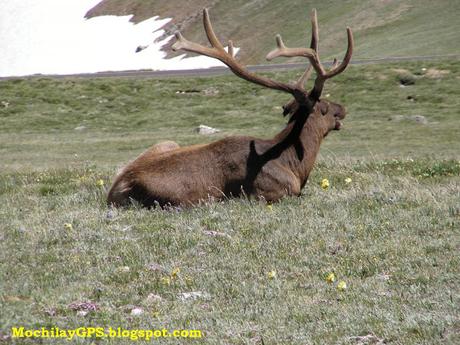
312	54
218	52
313	45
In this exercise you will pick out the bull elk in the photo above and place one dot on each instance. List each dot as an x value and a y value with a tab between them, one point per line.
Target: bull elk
269	169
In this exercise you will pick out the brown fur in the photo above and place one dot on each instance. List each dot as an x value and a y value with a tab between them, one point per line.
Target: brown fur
262	168
161	147
234	166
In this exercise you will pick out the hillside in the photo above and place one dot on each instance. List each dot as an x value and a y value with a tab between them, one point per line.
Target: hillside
382	27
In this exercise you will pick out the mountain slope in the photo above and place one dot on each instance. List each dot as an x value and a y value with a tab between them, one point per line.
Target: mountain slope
382	27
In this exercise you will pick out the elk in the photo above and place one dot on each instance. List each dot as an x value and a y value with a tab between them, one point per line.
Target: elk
268	169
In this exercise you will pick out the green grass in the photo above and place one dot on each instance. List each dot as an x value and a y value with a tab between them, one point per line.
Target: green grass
392	234
381	28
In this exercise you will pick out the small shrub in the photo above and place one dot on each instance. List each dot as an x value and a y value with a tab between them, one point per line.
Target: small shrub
406	79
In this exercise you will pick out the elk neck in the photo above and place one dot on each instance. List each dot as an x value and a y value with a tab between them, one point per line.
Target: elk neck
300	140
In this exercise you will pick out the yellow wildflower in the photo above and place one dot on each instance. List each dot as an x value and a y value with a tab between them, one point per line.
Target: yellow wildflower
341	286
68	226
325	183
166	281
348	180
100	183
269	207
271	274
175	272
188	280
330	278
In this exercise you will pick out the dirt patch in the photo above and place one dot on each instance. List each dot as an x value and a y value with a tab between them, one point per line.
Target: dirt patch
401	71
434	73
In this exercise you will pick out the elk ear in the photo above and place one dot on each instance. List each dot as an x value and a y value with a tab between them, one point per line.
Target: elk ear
323	107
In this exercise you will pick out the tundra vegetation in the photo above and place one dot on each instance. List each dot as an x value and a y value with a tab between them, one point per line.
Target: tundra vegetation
391	234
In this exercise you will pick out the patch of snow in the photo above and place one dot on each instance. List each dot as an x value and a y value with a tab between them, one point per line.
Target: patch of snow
53	37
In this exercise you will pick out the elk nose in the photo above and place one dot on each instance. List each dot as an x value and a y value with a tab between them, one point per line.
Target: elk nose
340	112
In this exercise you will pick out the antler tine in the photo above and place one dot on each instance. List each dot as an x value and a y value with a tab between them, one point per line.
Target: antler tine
304	77
210	31
313	45
335	63
315	93
309	53
346	60
182	43
231	49
312	55
218	52
314	32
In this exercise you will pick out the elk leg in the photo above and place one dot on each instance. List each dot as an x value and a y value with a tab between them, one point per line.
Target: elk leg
276	184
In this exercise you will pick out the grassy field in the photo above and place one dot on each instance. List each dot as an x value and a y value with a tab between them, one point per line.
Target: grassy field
258	272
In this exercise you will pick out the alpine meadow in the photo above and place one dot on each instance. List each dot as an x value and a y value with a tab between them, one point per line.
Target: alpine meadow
367	254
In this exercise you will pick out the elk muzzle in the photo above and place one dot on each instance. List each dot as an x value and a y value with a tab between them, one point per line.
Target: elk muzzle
339	114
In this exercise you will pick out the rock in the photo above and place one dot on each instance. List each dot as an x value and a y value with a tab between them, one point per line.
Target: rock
154	267
123	269
80	128
137	311
417	118
396	118
51	311
86	306
141	48
367	339
111	214
152	298
193	295
213	233
188	91
206	130
211	91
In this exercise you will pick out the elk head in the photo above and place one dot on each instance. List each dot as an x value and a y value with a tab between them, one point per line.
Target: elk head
263	168
304	102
